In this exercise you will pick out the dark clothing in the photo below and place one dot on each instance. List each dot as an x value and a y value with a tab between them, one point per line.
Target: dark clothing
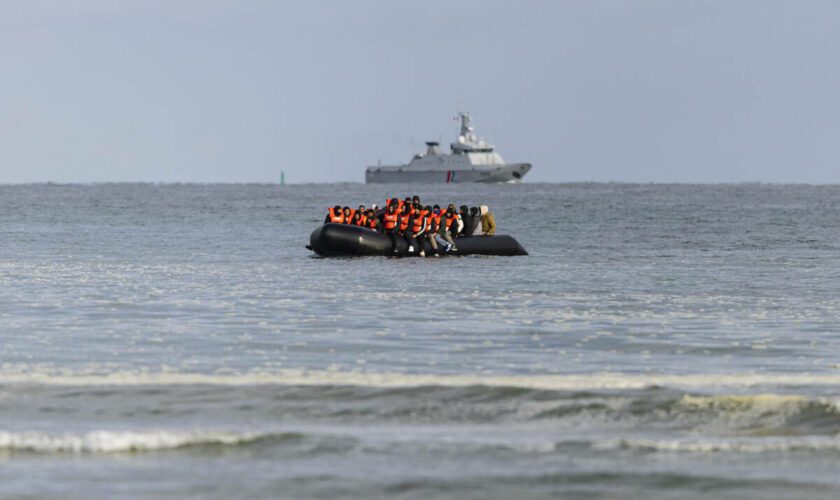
468	224
474	226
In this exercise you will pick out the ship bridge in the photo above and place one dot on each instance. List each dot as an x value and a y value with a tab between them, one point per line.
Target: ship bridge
467	141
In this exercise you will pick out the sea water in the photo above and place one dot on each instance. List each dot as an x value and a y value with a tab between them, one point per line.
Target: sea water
670	341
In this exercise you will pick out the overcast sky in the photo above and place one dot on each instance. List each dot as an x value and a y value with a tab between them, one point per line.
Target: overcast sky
236	91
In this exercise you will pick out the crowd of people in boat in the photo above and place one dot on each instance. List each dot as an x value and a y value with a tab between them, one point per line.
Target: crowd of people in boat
413	221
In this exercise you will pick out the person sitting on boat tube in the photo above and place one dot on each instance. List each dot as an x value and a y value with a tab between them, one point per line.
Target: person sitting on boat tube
416	229
450	224
362	221
475	229
348	215
335	215
488	222
405	220
372	221
464	212
390	223
431	228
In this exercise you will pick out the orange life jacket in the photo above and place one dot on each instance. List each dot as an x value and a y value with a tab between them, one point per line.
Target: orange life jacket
390	220
372	222
436	219
362	221
336	217
391	200
450	219
419	220
349	219
404	221
431	223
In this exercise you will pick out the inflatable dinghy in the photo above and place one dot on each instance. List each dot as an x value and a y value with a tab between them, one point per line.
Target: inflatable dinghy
336	240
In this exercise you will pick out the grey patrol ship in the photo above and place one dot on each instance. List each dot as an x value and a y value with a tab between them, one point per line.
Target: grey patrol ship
471	160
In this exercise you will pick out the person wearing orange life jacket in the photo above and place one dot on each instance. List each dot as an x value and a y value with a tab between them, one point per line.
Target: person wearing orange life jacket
431	228
389	223
348	215
335	215
357	219
405	216
363	211
421	227
371	222
396	200
450	224
414	230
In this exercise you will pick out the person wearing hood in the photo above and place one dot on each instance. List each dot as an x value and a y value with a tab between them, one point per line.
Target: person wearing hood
488	221
464	212
475	227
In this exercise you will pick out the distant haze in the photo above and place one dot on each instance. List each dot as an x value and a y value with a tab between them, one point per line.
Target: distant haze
236	91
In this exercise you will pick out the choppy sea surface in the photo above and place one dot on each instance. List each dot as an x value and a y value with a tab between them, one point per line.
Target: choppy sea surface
660	341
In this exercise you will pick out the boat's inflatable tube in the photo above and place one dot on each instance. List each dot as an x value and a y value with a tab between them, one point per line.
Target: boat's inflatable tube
334	240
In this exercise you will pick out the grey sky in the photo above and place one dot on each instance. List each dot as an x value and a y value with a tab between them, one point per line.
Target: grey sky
219	91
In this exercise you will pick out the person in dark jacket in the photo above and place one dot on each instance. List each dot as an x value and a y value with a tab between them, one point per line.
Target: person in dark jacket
466	219
475	226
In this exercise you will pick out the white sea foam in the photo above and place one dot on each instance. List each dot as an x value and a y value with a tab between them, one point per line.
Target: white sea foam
778	445
116	441
401	380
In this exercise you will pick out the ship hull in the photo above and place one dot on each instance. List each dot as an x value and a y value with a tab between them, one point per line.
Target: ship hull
510	172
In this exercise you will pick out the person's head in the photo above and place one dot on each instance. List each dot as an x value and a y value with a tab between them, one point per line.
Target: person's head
407	201
393	207
361	208
415	199
464	209
357	216
406	208
436	209
347	211
474	211
428	209
337	209
374	207
370	212
450	210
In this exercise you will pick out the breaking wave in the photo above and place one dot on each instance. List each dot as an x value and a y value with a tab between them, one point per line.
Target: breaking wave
102	441
402	380
724	446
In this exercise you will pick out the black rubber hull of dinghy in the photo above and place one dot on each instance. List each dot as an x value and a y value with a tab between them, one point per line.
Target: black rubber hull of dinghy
335	240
